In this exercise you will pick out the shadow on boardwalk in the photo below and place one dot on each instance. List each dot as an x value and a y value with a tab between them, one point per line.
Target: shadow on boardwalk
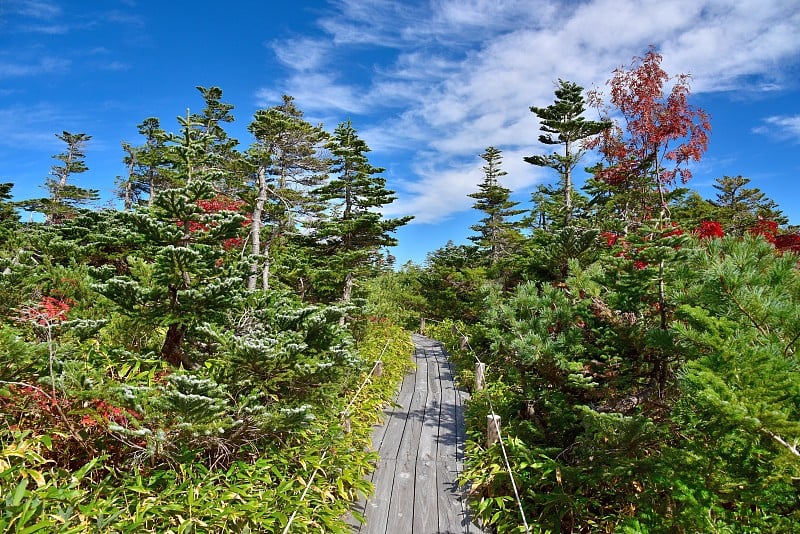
421	453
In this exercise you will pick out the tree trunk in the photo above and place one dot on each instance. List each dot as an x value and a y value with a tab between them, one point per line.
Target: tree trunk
172	350
255	228
346	294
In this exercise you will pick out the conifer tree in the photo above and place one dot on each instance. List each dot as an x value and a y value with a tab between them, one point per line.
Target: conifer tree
150	166
739	208
353	234
496	231
563	124
179	278
221	159
66	197
287	165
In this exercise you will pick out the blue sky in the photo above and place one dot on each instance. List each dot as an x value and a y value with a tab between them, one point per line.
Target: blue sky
429	84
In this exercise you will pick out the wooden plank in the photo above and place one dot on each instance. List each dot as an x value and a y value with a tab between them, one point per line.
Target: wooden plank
396	419
376	509
426	511
429	436
421	448
385	440
401	501
451	510
426	514
409	441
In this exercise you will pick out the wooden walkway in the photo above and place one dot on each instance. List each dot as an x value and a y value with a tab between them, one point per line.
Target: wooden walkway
421	452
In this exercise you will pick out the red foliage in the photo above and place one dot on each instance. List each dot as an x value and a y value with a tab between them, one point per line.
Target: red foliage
788	242
78	429
215	205
663	134
709	230
767	229
610	238
48	310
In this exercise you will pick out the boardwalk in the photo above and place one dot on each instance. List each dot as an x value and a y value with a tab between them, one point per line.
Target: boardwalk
421	450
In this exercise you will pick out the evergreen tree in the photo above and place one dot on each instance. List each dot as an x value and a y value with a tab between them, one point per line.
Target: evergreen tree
150	166
563	124
739	208
496	232
288	165
221	159
7	211
178	278
351	237
66	197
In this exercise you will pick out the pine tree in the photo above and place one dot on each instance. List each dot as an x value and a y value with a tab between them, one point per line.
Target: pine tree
496	231
66	197
351	237
563	124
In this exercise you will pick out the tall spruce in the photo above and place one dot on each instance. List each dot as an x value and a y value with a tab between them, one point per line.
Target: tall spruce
497	232
563	124
351	237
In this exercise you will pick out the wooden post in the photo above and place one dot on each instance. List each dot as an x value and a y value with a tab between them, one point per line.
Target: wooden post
492	429
529	410
378	371
346	422
480	376
464	342
422	325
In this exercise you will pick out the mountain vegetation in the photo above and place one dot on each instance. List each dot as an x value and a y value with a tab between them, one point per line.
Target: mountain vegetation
189	362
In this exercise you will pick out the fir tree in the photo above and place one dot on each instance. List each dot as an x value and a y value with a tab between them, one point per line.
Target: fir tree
354	232
178	278
150	166
496	232
739	208
563	124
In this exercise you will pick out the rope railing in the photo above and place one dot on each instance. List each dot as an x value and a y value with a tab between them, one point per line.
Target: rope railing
464	341
344	413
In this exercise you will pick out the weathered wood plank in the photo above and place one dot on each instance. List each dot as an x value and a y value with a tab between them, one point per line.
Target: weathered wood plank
421	449
401	502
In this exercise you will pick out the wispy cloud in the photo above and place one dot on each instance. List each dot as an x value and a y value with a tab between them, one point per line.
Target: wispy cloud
43	65
781	127
462	74
36	9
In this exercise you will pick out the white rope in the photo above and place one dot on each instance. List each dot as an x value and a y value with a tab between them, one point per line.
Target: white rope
305	491
369	376
314	474
499	435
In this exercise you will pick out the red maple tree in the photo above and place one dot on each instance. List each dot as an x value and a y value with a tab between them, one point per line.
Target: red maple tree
658	136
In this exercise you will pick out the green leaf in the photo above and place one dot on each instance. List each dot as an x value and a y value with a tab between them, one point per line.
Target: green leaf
19	492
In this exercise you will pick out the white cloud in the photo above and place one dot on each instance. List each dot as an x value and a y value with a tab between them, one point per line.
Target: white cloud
44	65
37	9
781	127
461	74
